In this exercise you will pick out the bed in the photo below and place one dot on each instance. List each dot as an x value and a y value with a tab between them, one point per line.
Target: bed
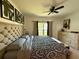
48	48
42	47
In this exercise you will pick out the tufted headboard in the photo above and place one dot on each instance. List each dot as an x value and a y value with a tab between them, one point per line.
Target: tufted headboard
9	33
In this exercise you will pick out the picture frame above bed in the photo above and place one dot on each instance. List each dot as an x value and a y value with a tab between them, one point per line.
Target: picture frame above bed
7	10
19	16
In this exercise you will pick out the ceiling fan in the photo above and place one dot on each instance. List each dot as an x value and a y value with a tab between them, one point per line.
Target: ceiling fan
53	9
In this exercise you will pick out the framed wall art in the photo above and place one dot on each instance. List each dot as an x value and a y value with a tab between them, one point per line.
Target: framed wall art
66	24
7	10
11	12
17	16
0	8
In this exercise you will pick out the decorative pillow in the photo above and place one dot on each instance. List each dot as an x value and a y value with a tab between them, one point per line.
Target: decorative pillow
21	41
12	47
25	36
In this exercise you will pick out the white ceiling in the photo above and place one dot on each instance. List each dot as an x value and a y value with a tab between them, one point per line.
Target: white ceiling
37	7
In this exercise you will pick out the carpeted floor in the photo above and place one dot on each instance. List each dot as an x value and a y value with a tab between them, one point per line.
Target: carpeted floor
47	48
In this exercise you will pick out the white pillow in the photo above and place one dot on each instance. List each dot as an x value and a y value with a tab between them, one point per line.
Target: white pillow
21	41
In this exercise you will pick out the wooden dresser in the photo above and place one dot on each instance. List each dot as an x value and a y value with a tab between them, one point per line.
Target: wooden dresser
70	38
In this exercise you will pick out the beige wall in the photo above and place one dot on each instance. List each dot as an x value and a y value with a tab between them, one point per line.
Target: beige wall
14	5
56	26
57	23
74	23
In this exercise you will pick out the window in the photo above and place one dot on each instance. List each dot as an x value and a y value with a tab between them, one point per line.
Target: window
42	28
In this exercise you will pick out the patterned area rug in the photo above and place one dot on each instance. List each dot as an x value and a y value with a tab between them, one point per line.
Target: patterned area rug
47	48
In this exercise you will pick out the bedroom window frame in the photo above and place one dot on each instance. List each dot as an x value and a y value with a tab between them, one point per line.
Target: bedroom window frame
43	28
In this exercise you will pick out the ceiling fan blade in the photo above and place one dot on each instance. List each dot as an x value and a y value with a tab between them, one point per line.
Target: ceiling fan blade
56	11
49	13
59	7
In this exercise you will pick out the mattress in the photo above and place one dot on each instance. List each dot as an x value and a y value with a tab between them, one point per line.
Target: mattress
42	47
